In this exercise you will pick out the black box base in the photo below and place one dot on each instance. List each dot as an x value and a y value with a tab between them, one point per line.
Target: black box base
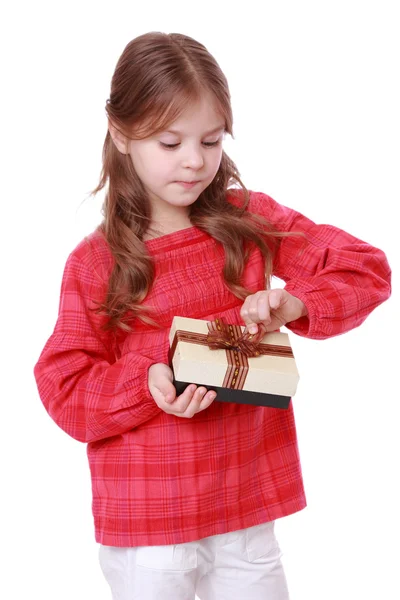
239	396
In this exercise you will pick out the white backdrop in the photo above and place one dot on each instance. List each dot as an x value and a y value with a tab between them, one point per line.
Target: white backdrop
315	92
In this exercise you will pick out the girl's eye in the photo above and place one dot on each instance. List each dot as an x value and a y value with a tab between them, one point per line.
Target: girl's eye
169	146
205	144
211	144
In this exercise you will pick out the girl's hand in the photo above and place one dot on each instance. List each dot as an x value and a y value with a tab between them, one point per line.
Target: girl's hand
272	308
192	401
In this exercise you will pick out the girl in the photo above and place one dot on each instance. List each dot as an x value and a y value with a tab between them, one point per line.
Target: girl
186	489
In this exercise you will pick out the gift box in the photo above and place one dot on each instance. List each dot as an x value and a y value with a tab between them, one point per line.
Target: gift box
241	368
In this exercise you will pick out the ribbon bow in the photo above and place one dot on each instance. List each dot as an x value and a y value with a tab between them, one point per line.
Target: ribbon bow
222	336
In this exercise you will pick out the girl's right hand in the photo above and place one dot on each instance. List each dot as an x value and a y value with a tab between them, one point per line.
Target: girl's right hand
190	402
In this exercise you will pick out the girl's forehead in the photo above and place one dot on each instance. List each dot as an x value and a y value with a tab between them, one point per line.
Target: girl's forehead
188	115
202	114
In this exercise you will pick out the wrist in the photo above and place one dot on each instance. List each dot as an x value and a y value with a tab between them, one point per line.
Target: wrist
304	310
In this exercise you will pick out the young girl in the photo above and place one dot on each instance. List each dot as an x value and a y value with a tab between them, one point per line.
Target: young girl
186	489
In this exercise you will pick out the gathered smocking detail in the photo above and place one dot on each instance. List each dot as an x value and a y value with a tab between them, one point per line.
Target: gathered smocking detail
177	240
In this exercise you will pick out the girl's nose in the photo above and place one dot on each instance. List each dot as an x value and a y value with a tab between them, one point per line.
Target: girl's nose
193	158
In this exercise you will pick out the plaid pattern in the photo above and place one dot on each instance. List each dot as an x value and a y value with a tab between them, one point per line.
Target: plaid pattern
158	479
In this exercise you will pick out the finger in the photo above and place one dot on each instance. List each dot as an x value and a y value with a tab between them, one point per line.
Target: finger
182	402
244	311
276	298
248	313
263	308
200	401
195	402
256	310
207	400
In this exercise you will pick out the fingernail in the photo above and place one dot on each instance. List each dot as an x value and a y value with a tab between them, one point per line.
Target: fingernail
253	329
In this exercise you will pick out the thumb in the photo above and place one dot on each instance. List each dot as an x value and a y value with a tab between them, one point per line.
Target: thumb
166	389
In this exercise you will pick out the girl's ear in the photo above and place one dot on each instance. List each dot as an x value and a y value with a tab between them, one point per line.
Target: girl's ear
119	139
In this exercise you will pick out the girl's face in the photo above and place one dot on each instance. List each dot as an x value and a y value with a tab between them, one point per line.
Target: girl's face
176	165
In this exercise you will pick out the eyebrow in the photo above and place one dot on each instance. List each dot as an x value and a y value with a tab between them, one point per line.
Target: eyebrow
221	127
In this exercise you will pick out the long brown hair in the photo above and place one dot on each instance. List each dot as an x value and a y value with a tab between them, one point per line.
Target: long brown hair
155	78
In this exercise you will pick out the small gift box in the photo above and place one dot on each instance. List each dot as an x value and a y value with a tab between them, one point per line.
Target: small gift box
241	368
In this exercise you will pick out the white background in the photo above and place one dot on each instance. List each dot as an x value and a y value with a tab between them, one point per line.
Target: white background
315	92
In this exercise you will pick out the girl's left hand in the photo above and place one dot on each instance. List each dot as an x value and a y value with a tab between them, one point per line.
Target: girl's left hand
272	308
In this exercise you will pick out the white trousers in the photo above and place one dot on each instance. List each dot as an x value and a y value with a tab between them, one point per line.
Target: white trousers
240	565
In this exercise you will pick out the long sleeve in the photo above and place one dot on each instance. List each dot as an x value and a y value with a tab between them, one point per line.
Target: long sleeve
89	392
340	278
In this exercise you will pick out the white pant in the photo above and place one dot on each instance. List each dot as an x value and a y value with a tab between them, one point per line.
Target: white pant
240	565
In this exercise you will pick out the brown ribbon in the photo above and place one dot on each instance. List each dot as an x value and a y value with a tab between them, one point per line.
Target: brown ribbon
238	346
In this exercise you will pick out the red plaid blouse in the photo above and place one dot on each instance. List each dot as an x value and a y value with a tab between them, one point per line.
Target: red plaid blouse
160	479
